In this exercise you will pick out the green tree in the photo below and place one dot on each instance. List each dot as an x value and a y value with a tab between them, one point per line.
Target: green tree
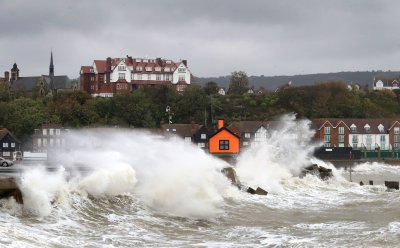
211	88
239	82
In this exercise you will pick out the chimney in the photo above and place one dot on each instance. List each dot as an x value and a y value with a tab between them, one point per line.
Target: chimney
108	69
220	123
7	76
159	61
184	62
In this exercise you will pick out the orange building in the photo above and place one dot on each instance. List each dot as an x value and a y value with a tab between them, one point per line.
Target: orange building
224	141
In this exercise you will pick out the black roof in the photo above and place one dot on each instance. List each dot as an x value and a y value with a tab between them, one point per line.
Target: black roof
29	83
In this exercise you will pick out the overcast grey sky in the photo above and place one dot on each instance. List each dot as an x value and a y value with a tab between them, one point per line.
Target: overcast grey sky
216	37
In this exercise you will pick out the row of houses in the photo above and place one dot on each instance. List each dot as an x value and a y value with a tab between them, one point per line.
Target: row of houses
359	134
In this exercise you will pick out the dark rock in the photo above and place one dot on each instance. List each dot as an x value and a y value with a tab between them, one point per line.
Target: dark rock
260	191
230	173
361	183
251	190
316	170
392	184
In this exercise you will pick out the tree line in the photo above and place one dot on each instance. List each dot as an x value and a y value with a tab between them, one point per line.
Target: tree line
146	107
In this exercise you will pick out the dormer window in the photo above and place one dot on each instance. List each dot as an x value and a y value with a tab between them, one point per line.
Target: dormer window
148	68
167	69
145	61
138	68
381	128
138	60
91	70
121	68
353	128
168	61
158	68
367	127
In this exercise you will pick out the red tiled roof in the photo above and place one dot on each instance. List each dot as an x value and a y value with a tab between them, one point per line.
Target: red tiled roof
105	89
100	66
86	69
359	123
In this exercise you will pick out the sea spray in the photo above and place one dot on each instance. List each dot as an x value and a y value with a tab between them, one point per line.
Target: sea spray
39	188
287	150
173	176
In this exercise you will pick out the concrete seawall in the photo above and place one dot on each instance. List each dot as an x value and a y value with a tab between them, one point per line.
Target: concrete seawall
346	162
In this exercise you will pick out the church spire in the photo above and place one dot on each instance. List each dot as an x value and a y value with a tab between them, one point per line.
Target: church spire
51	68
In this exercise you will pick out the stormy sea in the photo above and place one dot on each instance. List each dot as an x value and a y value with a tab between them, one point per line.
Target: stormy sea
141	190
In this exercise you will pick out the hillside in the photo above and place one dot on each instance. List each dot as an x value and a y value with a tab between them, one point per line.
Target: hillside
272	82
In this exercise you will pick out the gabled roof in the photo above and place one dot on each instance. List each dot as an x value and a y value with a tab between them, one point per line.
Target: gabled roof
182	130
222	129
86	69
240	127
359	123
100	66
4	132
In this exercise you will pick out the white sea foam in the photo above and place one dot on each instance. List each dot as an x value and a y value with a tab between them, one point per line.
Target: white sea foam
171	176
287	150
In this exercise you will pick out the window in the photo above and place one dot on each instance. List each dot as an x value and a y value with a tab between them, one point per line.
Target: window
12	144
397	130
158	77
341	138
39	142
121	75
245	143
383	138
396	138
44	131
247	135
201	145
369	139
145	61
5	144
341	130
148	68
181	77
158	68
203	136
91	70
341	144
138	68
353	128
92	79
327	138
396	146
51	131
327	145
355	145
355	139
167	69
139	76
148	76
188	139
167	77
327	130
57	131
224	144
138	60
182	70
6	154
121	68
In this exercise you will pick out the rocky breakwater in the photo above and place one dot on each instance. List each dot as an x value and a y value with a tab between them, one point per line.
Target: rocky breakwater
317	170
9	188
230	173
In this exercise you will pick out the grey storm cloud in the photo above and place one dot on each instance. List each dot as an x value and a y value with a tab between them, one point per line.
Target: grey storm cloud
216	37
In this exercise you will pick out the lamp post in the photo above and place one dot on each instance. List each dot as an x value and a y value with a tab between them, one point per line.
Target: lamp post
168	111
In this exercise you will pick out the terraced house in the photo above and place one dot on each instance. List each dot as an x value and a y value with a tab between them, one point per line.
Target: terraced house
367	134
111	76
